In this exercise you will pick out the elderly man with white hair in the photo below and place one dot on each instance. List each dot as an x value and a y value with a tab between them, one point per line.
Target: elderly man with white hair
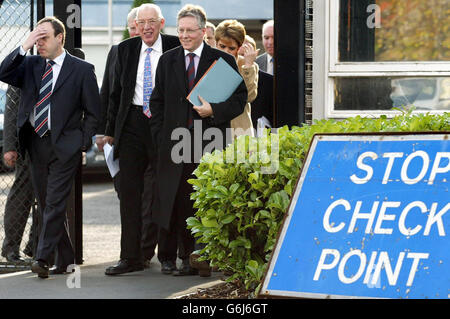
128	126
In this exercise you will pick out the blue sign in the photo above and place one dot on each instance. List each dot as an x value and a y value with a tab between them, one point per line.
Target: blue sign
369	218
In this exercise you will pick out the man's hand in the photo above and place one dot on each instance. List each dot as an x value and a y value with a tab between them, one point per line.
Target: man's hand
10	158
33	37
99	140
204	110
108	139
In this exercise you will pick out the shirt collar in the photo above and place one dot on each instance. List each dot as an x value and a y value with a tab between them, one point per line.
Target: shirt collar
60	58
157	46
198	51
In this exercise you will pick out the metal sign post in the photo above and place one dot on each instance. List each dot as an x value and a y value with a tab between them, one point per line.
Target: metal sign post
369	219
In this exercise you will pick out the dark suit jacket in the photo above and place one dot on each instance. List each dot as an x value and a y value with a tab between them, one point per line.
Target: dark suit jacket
261	60
125	73
74	102
170	108
107	85
263	104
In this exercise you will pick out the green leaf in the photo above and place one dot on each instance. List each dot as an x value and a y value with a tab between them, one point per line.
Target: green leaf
209	222
227	218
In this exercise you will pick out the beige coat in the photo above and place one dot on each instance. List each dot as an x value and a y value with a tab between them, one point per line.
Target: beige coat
242	124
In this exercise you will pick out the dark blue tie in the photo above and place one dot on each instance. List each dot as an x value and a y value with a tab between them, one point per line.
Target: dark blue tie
42	107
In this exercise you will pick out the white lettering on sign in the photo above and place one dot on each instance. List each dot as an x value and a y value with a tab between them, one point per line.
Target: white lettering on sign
383	217
422	156
434	217
372	270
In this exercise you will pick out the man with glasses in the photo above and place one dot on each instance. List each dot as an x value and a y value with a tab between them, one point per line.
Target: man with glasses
178	71
127	126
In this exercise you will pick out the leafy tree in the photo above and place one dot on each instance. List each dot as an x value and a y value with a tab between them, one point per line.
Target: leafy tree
413	30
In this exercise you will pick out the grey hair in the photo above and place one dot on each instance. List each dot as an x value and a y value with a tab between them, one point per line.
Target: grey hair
150	6
192	10
268	23
132	14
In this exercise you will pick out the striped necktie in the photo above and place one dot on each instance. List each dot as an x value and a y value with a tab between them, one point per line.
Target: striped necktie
191	78
42	107
147	83
191	71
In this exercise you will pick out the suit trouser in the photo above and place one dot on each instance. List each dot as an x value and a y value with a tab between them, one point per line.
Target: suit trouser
17	209
53	180
149	239
135	154
178	234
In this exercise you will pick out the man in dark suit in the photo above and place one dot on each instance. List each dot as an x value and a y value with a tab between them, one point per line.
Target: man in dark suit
265	60
58	115
20	197
149	229
178	71
128	128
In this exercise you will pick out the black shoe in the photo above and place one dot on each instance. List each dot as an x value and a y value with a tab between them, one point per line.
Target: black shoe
186	270
40	268
168	267
15	258
28	251
60	270
124	266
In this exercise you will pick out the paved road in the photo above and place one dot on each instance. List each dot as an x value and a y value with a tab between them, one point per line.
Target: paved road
101	248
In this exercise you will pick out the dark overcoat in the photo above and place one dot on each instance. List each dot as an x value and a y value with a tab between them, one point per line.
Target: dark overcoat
170	110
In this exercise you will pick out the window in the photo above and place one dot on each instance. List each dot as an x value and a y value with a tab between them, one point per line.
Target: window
386	54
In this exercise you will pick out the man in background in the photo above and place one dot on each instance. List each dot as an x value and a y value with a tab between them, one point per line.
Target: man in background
21	196
265	60
210	39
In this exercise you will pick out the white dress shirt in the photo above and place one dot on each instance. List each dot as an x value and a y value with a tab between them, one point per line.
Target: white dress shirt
198	54
156	53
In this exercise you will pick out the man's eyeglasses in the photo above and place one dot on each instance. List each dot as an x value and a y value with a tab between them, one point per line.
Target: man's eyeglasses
151	22
188	31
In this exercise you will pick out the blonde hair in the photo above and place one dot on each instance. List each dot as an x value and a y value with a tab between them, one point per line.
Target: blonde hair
232	29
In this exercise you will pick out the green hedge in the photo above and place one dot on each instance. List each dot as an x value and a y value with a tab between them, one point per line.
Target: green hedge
240	209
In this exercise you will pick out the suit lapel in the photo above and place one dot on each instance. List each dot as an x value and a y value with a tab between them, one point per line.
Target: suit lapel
38	70
66	70
133	61
180	70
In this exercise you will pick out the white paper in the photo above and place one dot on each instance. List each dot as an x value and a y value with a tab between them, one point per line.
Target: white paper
113	165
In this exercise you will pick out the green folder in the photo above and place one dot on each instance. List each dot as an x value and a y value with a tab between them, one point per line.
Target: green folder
217	84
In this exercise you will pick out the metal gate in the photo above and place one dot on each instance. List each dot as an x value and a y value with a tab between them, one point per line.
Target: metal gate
18	214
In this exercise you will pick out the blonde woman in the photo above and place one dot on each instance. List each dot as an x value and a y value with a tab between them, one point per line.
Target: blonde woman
230	37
